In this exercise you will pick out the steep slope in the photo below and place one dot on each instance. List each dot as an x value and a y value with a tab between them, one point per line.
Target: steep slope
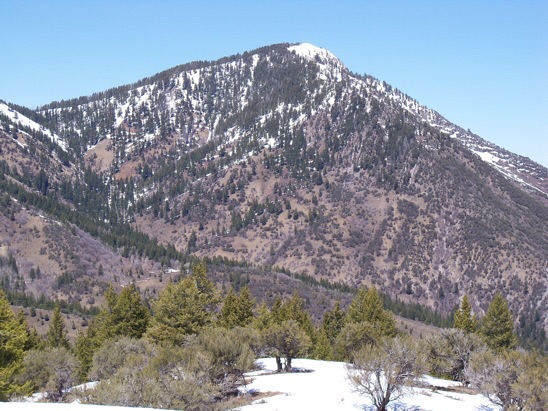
282	157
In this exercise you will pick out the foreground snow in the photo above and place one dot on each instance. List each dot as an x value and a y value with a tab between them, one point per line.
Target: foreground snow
39	406
319	385
323	386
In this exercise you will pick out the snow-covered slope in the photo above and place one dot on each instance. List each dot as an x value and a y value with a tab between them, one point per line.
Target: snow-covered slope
23	121
201	96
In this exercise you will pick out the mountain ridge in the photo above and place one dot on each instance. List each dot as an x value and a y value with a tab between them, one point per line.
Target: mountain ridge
282	157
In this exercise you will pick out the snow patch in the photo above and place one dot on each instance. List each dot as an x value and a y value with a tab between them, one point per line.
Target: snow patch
23	121
310	51
323	385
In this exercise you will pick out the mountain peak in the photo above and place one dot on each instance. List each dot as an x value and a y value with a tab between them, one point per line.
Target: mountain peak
310	51
281	156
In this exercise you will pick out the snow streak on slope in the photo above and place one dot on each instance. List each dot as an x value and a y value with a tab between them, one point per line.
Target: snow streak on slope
514	167
199	97
23	121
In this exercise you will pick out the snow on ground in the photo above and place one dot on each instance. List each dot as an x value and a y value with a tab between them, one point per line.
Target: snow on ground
326	387
24	121
39	406
319	385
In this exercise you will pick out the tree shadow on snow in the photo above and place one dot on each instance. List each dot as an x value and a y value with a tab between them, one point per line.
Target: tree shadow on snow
394	407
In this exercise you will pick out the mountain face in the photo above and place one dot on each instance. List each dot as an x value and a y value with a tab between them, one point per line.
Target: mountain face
281	157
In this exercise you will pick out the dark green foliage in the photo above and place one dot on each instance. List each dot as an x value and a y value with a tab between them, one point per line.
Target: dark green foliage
56	335
237	309
184	308
123	315
13	339
85	346
129	316
287	329
352	337
464	318
29	300
497	327
367	306
333	322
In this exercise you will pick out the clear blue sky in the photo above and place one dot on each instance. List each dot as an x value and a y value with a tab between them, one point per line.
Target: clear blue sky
482	64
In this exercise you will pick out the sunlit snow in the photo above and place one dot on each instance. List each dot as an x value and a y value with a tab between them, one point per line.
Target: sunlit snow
24	121
323	385
319	385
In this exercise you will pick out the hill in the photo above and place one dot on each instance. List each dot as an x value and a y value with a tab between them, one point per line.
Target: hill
279	159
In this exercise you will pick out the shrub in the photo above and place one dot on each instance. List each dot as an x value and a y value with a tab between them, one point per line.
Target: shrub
52	370
383	371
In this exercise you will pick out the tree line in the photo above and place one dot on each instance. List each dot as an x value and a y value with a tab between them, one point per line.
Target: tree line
191	347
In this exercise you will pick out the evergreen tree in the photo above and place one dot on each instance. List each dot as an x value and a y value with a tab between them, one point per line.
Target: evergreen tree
184	308
104	325
130	316
497	327
237	309
333	322
56	335
464	319
367	306
13	338
287	340
101	329
281	322
123	315
293	309
323	349
264	317
86	345
34	340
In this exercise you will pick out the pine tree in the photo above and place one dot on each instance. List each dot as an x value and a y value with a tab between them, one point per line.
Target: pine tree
264	317
323	349
282	320
56	335
13	338
497	327
104	326
130	316
237	309
333	322
33	339
292	309
85	346
367	306
184	308
123	315
464	319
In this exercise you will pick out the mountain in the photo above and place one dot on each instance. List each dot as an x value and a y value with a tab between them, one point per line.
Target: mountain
280	159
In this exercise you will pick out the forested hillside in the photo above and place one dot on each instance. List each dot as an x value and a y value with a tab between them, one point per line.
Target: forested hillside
275	164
